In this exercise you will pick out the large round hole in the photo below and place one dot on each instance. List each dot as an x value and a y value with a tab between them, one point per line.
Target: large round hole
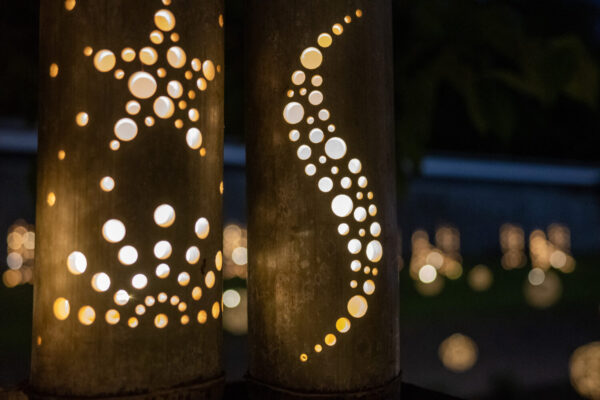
335	148
101	282
162	250
176	57
164	107
357	306
194	138
160	321
162	271
128	255
121	297
293	113
76	263
61	308
164	215
374	251
164	20
202	228
139	281
311	58
104	60
192	255
142	85
342	205
126	129
112	317
113	231
183	279
86	315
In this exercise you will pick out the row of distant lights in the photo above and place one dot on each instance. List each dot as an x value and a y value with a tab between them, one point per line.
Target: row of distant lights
427	262
335	148
20	249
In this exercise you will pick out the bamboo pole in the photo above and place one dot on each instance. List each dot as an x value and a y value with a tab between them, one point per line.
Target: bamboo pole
323	280
128	259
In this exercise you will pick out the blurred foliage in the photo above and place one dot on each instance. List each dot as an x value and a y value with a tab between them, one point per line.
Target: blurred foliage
496	66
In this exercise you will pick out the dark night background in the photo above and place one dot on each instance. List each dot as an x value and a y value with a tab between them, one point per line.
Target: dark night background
496	122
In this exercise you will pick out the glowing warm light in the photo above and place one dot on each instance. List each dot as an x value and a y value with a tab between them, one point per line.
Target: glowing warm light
53	70
202	228
162	271
139	281
161	320
82	119
128	255
427	273
216	310
231	298
293	113
61	308
164	20
112	317
335	148
202	316
536	276
357	306
240	256
113	231
343	325
325	40
76	263
458	353
480	278
101	282
104	60
164	215
183	279
121	297
209	279
107	184
584	368
162	250
86	315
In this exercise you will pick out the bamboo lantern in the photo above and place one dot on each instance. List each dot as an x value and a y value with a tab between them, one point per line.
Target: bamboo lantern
127	280
323	279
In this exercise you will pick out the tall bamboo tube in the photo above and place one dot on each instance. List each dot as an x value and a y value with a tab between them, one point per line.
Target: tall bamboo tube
127	275
323	280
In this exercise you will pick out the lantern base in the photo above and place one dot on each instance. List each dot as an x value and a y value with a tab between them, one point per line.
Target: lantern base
264	391
206	390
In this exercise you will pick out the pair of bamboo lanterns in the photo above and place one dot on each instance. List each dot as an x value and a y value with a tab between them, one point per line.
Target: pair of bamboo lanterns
128	276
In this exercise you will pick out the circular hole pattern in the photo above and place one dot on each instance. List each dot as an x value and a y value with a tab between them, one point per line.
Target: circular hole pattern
61	308
202	228
76	263
311	58
162	250
164	215
86	315
104	60
357	306
101	282
113	231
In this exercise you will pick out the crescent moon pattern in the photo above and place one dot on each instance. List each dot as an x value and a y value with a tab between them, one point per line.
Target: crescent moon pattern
339	176
169	99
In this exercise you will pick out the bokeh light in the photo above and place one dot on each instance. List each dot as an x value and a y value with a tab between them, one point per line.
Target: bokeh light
458	353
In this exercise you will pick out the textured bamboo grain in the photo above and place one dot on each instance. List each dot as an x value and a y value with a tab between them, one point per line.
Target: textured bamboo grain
73	360
299	266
